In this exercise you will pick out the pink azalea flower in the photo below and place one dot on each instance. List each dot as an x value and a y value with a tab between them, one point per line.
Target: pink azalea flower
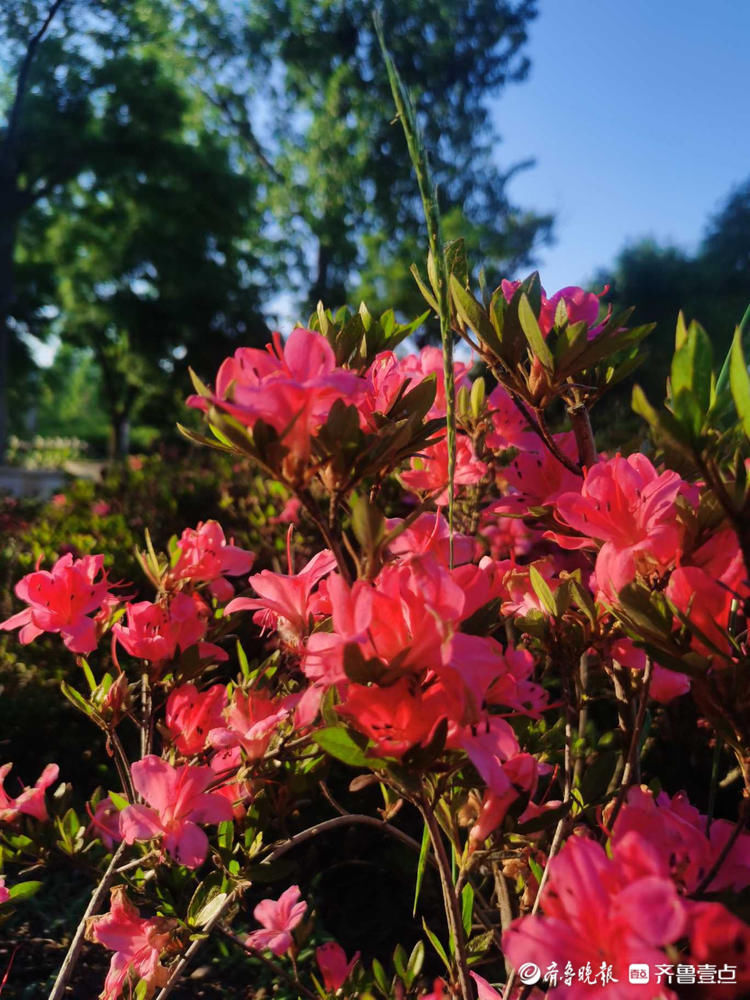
284	600
719	938
60	600
429	469
136	942
679	848
429	534
177	801
4	893
510	429
429	361
396	717
580	306
250	721
105	821
290	387
595	913
666	685
484	990
535	478
706	604
205	555
631	508
401	619
334	968
279	917
156	631
192	714
31	800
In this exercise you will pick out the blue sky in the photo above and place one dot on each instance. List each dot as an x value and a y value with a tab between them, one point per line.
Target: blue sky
638	115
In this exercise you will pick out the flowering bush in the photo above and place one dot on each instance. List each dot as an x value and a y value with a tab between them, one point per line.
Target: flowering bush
478	662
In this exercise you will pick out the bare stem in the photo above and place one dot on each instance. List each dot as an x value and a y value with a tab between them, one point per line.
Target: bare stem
450	900
97	897
635	740
178	969
332	824
278	970
584	434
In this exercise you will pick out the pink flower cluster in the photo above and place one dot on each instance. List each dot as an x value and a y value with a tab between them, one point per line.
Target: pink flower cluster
629	907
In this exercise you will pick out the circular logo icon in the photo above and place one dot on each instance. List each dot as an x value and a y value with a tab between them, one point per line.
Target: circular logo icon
529	973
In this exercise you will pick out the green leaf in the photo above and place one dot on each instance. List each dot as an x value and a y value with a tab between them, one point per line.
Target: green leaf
435	942
722	383
368	523
421	865
692	367
473	315
415	963
467	907
399	962
207	900
381	980
339	743
533	334
455	261
542	590
24	890
739	382
426	293
536	870
119	801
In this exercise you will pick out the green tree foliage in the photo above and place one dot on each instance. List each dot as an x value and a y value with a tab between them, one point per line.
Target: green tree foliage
144	249
337	177
711	286
168	171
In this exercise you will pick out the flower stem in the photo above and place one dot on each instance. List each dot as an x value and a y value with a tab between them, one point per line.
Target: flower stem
450	900
71	958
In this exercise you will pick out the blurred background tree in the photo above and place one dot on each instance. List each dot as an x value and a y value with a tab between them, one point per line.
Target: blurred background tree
711	286
172	173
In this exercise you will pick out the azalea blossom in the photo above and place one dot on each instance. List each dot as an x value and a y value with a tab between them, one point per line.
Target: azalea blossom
4	893
285	602
429	469
596	915
137	944
177	801
289	386
105	821
192	714
630	507
251	719
155	631
579	305
205	556
30	802
279	917
334	968
61	600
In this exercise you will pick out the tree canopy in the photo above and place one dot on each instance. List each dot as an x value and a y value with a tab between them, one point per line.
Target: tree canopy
169	171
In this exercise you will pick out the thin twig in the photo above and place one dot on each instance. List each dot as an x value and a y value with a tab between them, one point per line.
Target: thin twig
332	824
723	854
178	969
450	900
278	970
428	194
635	740
97	897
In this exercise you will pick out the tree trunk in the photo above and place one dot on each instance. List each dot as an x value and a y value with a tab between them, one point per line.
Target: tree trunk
119	435
7	239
